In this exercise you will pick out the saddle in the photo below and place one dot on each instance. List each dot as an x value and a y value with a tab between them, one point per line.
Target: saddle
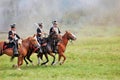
7	45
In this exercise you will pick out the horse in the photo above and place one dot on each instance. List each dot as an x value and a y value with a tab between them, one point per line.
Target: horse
63	44
45	51
26	44
61	49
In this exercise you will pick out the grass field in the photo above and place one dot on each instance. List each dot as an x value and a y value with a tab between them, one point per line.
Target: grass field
87	59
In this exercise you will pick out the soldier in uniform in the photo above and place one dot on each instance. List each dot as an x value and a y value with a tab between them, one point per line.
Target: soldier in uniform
13	39
40	35
54	30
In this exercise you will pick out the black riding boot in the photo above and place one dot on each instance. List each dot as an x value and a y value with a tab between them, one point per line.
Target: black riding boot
55	49
40	50
15	51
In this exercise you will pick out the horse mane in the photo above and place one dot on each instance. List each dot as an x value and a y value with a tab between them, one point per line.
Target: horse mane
65	34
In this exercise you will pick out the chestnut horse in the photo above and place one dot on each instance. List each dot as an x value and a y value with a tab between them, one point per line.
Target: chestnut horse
62	45
61	49
26	44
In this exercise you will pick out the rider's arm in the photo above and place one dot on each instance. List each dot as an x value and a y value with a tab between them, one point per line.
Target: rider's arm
51	30
44	33
17	36
59	31
38	31
11	34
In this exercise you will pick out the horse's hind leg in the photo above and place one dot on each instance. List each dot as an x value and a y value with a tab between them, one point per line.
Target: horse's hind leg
59	58
46	56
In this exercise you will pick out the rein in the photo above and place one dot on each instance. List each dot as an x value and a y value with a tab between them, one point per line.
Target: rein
71	41
33	47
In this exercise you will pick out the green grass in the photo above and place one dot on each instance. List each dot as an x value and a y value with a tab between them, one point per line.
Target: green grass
87	59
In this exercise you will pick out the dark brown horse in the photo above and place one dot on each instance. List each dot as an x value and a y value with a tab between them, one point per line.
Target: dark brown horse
26	44
61	49
45	52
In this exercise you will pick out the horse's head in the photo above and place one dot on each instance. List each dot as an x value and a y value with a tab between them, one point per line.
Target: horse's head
70	36
33	42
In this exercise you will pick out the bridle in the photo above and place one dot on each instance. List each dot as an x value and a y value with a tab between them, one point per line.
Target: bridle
70	37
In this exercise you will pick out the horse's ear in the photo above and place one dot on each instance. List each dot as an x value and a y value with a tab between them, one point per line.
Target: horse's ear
29	38
66	31
34	35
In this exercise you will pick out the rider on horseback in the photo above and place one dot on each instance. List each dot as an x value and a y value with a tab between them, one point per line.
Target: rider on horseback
54	31
40	34
13	39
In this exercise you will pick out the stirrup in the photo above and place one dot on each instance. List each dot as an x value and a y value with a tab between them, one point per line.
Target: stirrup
16	54
55	51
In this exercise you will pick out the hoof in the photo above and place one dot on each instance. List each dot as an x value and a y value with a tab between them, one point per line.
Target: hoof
27	65
33	64
54	63
46	65
38	64
43	64
14	66
18	69
61	63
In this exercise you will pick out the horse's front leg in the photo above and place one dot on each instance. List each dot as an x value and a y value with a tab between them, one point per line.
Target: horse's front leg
28	57
25	61
59	58
40	57
20	61
46	56
53	62
64	58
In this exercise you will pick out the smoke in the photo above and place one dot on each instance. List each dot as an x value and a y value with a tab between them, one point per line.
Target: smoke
25	13
94	12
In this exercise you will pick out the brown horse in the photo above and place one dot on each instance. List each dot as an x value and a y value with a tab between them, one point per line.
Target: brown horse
61	49
62	45
26	44
45	52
